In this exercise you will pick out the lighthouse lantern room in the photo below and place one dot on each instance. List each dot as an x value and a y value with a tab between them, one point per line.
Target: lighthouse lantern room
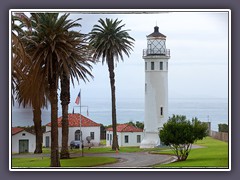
156	58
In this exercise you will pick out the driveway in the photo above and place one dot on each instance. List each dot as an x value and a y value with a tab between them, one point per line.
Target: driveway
138	159
125	160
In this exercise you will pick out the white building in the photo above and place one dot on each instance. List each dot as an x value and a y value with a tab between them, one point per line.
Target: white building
22	141
88	128
127	134
156	58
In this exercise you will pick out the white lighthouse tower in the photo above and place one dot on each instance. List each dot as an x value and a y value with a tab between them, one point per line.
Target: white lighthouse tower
156	58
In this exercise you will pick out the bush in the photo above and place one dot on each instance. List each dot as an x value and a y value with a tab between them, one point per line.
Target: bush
179	133
222	128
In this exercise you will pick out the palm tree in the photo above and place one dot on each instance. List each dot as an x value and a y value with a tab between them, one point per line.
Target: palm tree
22	84
19	57
29	92
80	52
54	51
110	43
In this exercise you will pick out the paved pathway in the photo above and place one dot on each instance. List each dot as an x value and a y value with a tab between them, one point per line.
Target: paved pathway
125	160
133	160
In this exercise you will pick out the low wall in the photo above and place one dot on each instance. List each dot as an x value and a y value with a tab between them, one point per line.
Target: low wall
223	136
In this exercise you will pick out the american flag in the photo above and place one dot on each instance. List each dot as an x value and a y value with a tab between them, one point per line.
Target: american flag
78	98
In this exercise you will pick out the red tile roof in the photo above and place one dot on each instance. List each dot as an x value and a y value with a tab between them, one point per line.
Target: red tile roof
16	130
126	128
74	121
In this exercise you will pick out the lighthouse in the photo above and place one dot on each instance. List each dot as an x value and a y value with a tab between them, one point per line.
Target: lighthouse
156	58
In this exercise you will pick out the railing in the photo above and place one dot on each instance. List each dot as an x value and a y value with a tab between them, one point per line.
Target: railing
156	52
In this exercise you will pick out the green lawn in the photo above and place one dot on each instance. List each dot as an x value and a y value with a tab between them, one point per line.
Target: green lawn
103	150
213	155
73	162
84	161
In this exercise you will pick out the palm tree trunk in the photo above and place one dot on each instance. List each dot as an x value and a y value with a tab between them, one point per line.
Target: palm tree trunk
38	129
114	118
55	162
65	99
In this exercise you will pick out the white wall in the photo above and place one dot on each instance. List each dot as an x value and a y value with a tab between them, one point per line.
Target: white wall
85	132
19	136
132	138
156	94
71	135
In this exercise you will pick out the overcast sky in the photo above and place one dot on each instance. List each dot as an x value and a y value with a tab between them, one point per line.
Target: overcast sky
198	43
198	67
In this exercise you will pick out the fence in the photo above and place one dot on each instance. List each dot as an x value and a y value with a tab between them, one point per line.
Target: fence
223	136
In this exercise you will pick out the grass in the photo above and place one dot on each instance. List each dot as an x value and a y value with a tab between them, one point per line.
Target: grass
103	142
73	162
85	161
103	150
213	155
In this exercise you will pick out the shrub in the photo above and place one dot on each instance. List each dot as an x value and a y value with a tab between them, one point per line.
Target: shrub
222	128
179	133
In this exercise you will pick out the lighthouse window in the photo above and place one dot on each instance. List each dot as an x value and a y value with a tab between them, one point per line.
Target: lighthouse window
161	65
152	65
161	111
167	65
145	66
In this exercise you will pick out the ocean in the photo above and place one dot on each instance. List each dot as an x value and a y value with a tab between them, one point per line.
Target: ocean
99	110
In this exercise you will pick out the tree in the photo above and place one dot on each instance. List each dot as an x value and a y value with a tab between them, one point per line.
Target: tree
28	92
79	52
131	123
110	42
179	133
138	124
19	57
222	128
102	131
51	44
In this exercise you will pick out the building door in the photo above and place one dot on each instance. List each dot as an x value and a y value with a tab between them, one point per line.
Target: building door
47	141
23	146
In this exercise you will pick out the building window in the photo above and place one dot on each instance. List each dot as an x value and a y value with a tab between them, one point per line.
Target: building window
167	66
107	137
92	135
126	139
145	87
23	134
161	111
152	65
145	66
138	138
77	135
161	65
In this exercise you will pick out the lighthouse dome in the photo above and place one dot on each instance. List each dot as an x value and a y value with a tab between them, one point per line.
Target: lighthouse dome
156	33
156	44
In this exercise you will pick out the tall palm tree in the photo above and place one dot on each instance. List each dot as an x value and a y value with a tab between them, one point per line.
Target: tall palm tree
29	92
53	49
19	57
80	52
110	43
22	85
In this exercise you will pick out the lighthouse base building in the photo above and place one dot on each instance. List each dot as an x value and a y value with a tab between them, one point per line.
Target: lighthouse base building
156	58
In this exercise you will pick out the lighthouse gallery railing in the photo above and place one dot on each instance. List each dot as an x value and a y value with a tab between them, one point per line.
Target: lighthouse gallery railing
156	52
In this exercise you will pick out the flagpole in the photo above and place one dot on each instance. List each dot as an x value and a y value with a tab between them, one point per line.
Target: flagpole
80	145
